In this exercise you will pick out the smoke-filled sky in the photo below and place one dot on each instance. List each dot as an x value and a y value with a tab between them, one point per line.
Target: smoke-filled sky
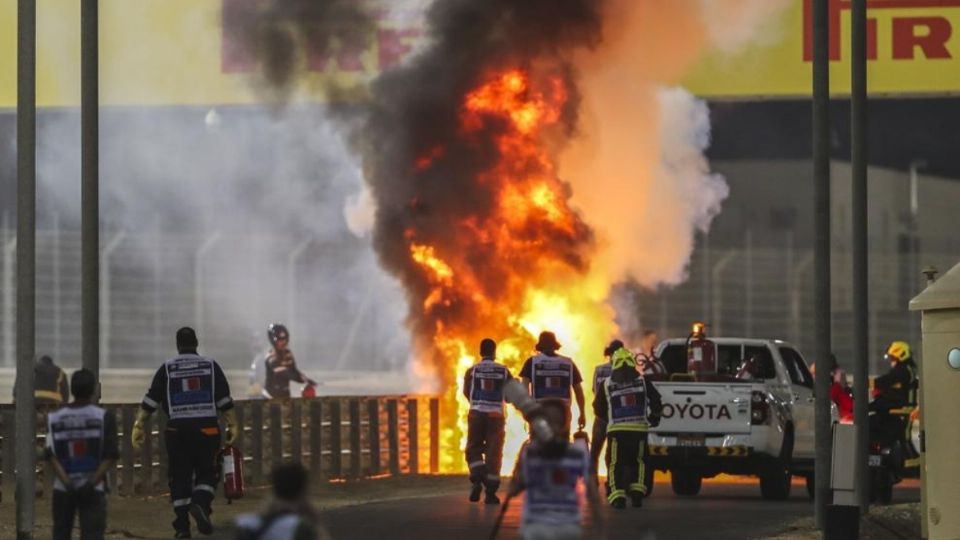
629	148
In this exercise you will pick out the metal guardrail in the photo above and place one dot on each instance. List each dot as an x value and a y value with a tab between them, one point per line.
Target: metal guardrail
337	438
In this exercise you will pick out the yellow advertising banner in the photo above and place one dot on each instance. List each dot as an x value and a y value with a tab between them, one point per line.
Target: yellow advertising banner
186	52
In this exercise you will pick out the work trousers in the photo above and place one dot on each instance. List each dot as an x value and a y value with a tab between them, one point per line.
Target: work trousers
484	450
628	450
191	471
597	439
91	508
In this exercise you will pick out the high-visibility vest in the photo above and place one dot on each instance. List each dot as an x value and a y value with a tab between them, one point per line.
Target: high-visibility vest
626	405
600	374
486	387
551	496
75	436
190	387
551	377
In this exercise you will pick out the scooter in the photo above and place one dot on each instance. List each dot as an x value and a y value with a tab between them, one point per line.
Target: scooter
890	451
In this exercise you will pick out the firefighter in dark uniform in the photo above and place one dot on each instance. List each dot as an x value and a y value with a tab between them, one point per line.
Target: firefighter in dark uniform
281	367
81	448
897	394
599	435
50	384
483	388
549	375
623	401
191	389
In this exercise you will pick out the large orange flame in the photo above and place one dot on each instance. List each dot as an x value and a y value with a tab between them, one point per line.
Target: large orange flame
541	249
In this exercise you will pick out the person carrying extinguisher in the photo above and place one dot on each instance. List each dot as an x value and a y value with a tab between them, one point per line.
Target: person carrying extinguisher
631	405
191	390
483	387
281	367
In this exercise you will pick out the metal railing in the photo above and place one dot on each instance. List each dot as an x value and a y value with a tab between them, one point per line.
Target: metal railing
337	438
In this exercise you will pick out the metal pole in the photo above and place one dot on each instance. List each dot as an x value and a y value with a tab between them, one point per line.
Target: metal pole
9	253
748	277
822	309
57	288
106	333
90	188
26	418
861	312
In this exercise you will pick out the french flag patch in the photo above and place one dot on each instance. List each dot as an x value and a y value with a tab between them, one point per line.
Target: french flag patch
78	449
628	400
553	382
487	385
191	384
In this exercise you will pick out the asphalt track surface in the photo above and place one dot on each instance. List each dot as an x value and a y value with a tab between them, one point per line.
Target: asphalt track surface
723	510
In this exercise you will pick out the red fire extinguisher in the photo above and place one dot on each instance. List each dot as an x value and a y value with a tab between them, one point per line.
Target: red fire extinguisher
701	352
309	391
231	467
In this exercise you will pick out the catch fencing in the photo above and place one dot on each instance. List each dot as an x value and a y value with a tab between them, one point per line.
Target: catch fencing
336	438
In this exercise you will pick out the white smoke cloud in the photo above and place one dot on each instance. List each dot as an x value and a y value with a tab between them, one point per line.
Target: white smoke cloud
734	24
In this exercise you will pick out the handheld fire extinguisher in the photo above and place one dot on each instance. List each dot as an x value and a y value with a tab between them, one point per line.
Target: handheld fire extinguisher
231	467
701	352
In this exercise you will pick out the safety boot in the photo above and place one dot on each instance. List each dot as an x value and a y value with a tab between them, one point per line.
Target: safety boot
636	498
619	503
491	498
475	491
202	517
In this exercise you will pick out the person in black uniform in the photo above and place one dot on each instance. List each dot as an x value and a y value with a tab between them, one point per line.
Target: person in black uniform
483	388
281	367
191	389
81	448
50	384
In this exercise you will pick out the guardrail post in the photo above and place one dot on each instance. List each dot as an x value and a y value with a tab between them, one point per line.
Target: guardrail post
276	434
336	457
162	474
393	436
316	439
413	439
9	454
355	451
434	435
126	450
256	450
373	434
146	458
296	431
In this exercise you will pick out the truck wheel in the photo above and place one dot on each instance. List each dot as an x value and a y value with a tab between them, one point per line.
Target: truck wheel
775	481
648	480
881	486
685	482
775	475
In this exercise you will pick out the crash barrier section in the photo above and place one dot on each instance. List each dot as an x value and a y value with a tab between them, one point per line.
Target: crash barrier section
337	438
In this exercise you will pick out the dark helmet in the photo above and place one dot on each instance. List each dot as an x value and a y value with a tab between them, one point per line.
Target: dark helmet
276	332
613	347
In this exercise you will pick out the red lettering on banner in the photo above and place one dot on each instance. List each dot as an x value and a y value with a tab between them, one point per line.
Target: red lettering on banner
904	37
933	42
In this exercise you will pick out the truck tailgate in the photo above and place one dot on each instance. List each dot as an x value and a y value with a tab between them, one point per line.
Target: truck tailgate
698	407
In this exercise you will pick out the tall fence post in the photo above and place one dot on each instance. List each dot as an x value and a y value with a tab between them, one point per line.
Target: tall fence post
126	445
373	434
355	451
9	248
393	436
276	434
434	435
316	438
336	447
256	434
296	430
9	453
413	438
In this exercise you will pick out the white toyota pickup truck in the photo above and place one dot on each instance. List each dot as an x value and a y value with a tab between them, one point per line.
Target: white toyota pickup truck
719	423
